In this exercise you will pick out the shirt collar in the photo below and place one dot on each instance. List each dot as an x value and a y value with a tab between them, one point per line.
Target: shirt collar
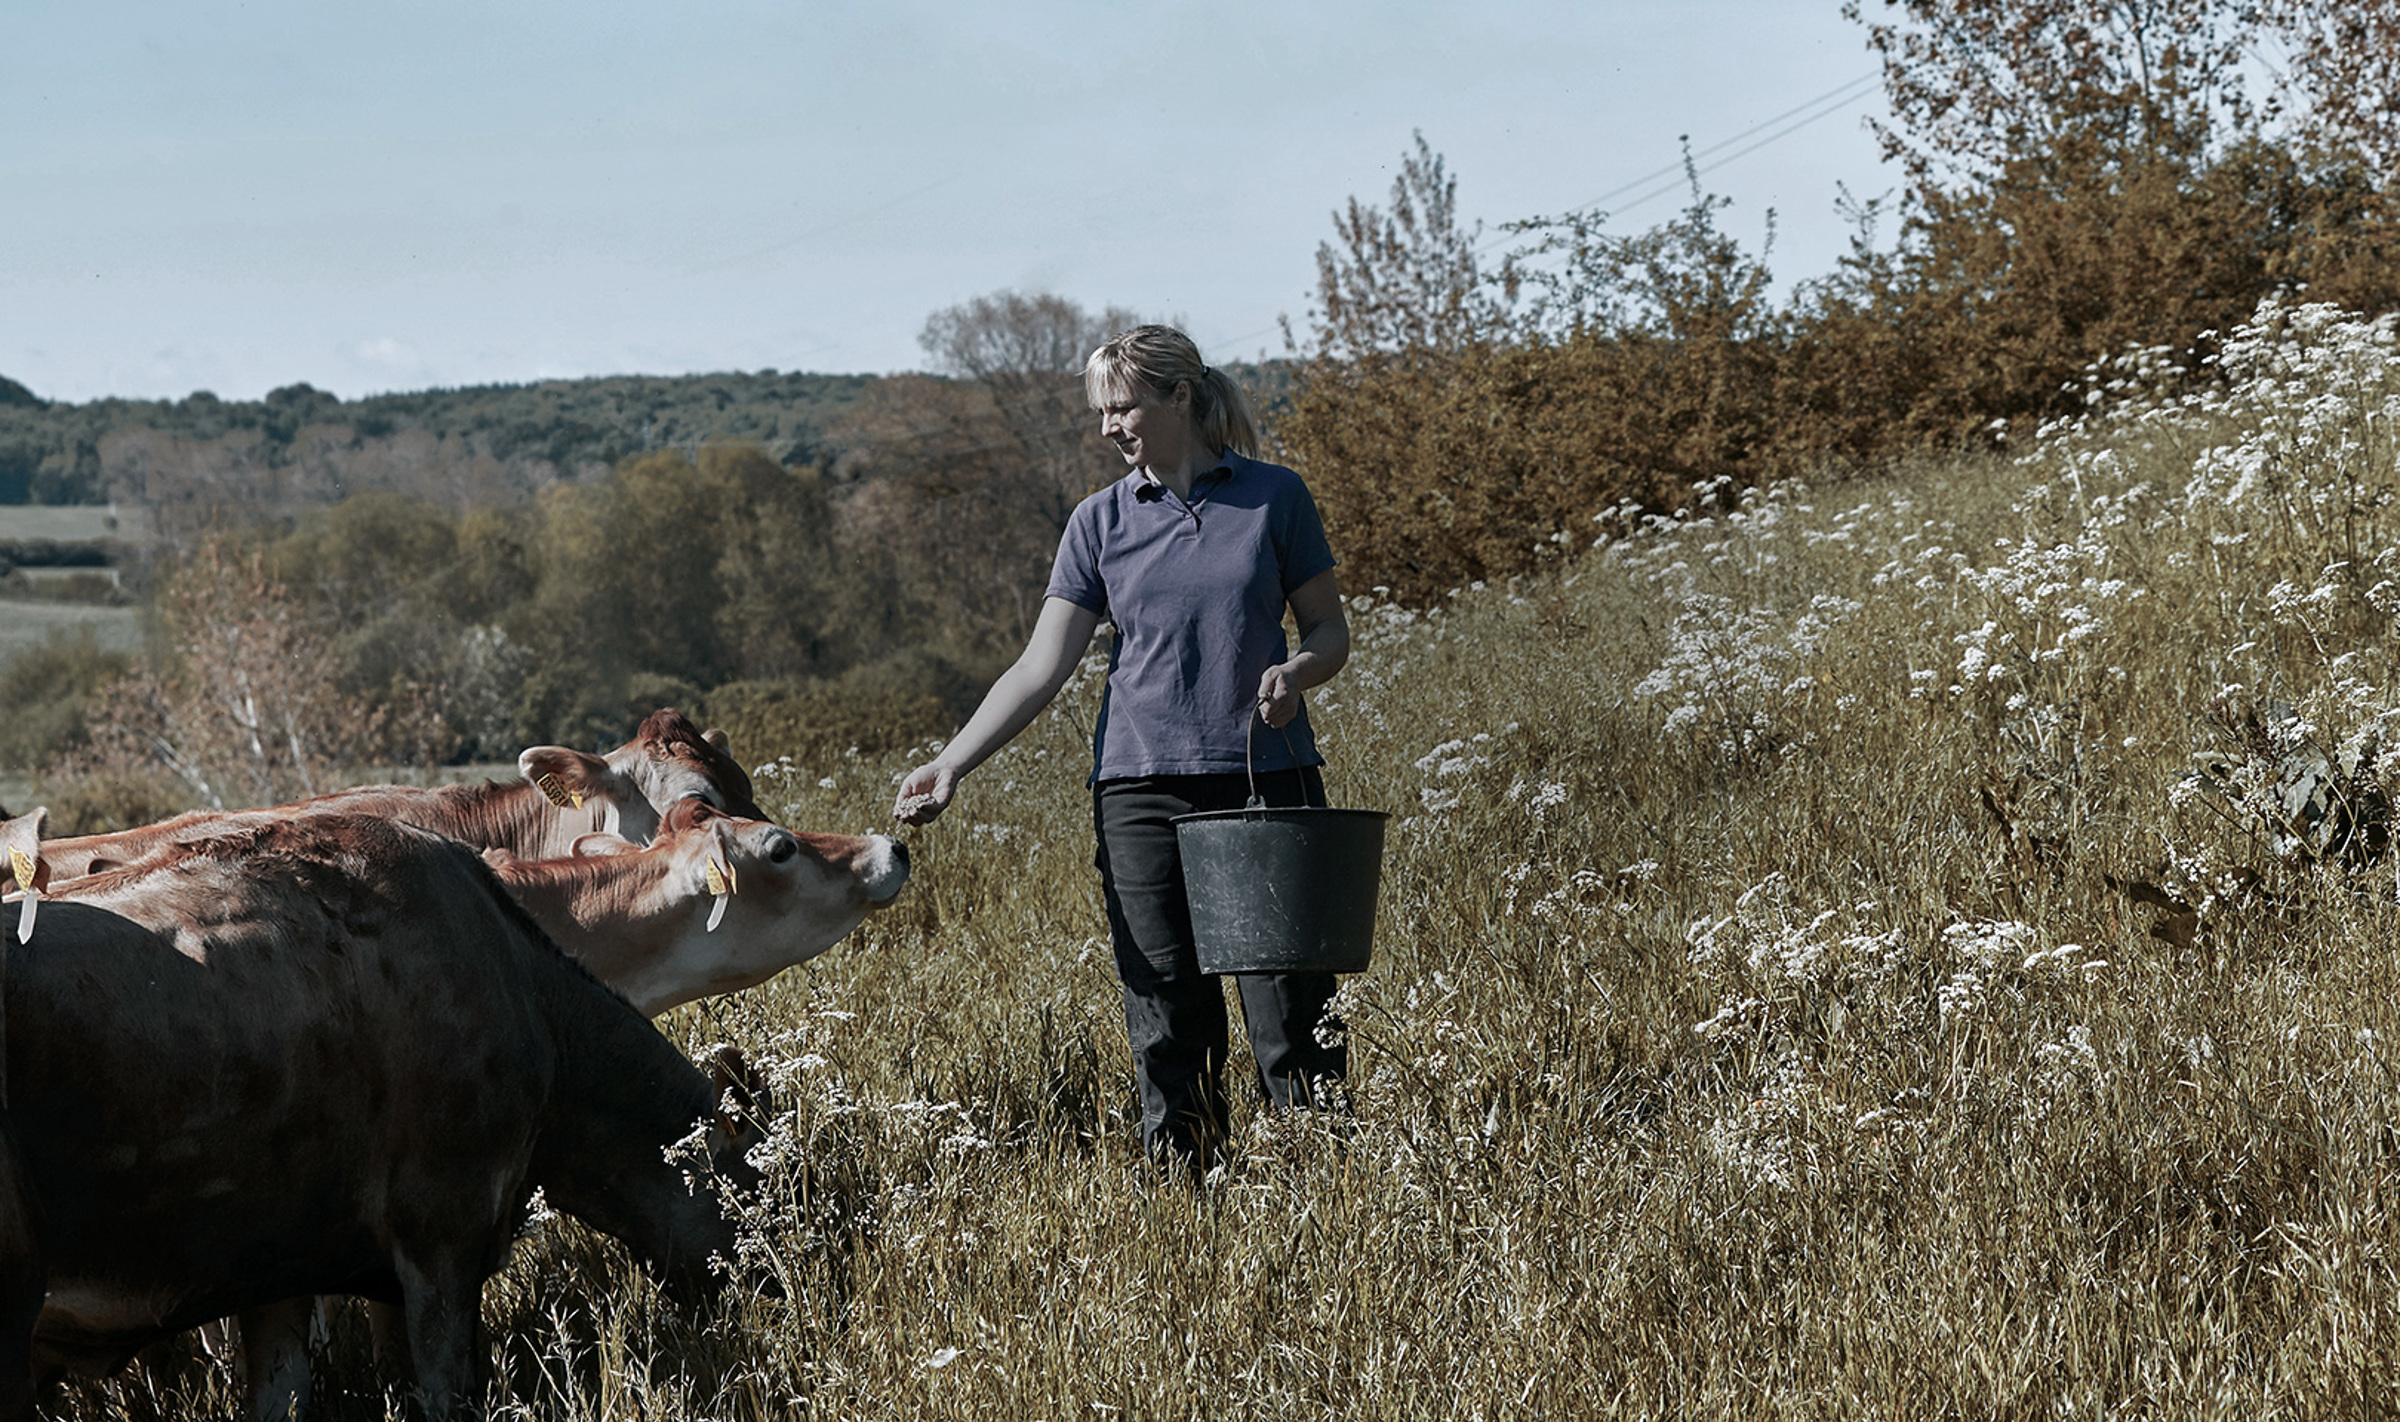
1145	487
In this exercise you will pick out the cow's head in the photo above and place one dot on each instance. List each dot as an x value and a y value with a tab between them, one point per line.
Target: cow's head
22	866
766	898
671	759
674	1208
579	783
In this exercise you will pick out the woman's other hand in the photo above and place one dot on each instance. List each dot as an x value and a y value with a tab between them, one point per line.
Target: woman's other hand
924	793
1278	697
1324	648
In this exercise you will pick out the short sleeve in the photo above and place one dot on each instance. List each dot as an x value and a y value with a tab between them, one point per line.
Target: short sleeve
1075	573
1300	544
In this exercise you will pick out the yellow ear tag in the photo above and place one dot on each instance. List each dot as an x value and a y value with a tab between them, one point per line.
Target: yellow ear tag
23	866
720	884
558	792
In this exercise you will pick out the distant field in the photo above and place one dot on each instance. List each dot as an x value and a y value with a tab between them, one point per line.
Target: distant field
26	624
72	523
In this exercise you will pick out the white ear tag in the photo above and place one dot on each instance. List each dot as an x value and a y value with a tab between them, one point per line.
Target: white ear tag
23	866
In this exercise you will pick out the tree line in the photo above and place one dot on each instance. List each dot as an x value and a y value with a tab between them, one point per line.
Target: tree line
199	457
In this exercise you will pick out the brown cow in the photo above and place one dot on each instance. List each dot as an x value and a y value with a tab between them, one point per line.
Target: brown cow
321	1055
715	904
564	794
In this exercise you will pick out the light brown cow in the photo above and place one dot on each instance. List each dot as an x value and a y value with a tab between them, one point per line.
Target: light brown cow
564	795
326	1054
715	904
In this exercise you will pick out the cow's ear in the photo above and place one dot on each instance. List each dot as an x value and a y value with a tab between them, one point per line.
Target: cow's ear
600	844
498	857
718	739
21	851
742	1100
568	779
686	814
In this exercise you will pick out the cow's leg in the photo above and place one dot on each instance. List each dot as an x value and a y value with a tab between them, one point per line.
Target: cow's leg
441	1301
275	1361
387	1335
21	1280
20	1305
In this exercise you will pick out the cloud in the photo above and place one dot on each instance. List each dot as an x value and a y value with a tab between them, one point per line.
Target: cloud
384	353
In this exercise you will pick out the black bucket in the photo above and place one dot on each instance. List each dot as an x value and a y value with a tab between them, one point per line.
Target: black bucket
1281	890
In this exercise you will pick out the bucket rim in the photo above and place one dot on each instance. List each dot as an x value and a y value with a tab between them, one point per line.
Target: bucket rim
1272	812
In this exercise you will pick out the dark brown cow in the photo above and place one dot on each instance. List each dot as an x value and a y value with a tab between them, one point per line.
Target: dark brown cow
322	1055
564	794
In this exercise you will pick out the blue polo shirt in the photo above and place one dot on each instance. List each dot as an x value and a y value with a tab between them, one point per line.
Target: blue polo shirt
1197	593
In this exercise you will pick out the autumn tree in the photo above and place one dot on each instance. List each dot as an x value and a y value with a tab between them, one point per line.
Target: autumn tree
235	703
959	481
1023	357
1460	421
2088	177
2340	79
1974	84
1404	281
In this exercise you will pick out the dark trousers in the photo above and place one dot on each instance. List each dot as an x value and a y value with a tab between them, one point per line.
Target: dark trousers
1175	1014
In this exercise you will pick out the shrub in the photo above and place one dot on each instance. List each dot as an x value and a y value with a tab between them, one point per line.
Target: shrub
876	709
47	695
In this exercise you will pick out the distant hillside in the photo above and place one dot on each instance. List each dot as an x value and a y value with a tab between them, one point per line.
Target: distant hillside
479	445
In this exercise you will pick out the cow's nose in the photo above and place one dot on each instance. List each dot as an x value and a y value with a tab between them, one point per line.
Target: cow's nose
900	853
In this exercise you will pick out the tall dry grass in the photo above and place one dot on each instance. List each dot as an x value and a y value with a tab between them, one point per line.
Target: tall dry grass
1921	947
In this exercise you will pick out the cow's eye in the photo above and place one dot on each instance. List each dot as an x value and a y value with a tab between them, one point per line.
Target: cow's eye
784	849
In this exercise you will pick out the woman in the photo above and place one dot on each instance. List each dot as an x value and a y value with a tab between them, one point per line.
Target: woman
1193	555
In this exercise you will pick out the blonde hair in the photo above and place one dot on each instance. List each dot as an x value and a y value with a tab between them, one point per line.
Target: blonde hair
1158	358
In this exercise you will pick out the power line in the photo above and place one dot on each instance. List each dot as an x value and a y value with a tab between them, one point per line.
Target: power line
1824	105
835	225
1839	97
1743	152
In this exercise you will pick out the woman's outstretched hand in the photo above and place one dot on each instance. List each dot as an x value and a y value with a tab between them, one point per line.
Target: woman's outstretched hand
924	793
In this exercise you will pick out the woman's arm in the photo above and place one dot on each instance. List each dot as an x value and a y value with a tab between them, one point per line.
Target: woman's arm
1059	638
1324	649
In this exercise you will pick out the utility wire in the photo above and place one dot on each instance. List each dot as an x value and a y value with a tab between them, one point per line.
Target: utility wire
1839	97
1824	105
1706	168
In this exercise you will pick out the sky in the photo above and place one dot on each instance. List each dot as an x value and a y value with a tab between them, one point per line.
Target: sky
374	197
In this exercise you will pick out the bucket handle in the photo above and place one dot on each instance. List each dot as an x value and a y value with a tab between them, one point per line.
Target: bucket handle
1250	761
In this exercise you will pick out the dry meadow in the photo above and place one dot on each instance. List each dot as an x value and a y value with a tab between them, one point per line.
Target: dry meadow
1916	946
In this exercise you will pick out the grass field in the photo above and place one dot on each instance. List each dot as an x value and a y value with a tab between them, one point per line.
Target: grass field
1920	947
26	623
